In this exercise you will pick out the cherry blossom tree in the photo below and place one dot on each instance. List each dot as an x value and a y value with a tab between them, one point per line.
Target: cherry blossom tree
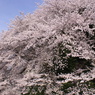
50	52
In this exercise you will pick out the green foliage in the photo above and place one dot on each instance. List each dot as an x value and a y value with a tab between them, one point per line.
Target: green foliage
70	63
75	63
72	84
38	90
35	90
66	86
91	83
